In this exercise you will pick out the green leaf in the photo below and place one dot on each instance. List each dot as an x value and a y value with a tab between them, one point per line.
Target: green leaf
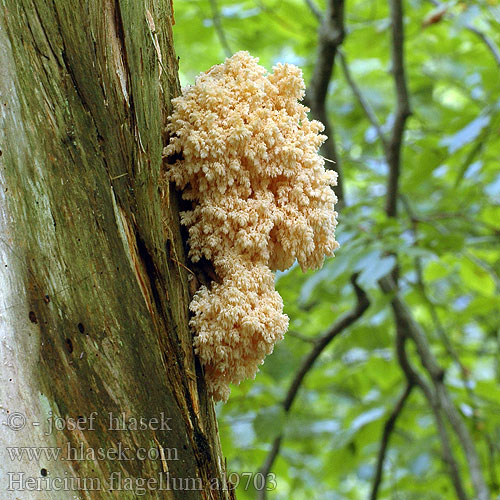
477	278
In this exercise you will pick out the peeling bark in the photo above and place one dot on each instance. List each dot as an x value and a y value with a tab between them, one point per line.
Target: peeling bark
93	292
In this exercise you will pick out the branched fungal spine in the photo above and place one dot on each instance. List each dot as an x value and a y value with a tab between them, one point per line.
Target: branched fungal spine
261	199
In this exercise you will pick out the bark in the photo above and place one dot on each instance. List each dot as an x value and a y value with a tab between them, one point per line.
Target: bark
93	292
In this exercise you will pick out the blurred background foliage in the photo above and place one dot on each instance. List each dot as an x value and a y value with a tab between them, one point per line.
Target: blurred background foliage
446	235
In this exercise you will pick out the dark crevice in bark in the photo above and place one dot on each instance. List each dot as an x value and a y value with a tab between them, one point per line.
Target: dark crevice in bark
151	270
71	74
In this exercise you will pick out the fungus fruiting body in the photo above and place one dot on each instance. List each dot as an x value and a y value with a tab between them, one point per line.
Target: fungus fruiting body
261	199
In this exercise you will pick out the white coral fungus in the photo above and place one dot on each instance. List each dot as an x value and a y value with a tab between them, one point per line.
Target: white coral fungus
261	200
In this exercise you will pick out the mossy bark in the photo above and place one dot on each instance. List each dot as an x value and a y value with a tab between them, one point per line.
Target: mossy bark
93	290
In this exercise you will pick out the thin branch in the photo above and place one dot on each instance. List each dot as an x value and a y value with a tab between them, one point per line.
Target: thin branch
370	114
268	463
343	323
405	321
219	29
473	153
402	106
330	37
362	304
384	443
487	40
314	9
414	378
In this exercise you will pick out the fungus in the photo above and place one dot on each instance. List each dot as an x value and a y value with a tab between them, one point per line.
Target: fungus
261	199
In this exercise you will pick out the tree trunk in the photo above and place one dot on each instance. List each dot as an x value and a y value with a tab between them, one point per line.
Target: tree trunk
93	289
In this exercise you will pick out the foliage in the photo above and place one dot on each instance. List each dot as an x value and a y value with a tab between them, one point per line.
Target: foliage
447	238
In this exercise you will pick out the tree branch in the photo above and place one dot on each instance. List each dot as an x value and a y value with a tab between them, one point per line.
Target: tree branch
405	322
330	37
323	341
402	106
488	41
414	378
314	9
362	304
384	443
370	114
392	146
